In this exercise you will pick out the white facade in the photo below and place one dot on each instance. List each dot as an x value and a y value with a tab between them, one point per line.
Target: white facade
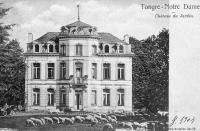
82	74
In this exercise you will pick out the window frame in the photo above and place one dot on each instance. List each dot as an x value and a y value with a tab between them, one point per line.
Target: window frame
94	71
51	97
94	49
106	93
121	50
106	49
63	49
62	100
37	49
36	69
36	97
63	70
95	98
52	72
79	50
121	71
106	76
51	50
120	96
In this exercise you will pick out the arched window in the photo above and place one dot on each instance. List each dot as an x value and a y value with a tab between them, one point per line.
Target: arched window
50	48
36	48
106	49
121	49
50	96
36	96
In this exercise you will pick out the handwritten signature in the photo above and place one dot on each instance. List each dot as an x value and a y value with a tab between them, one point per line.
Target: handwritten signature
182	120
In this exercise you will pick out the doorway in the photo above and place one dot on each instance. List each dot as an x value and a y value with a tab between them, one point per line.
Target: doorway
78	100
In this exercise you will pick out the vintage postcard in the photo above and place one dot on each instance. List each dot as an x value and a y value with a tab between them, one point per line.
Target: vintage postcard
99	65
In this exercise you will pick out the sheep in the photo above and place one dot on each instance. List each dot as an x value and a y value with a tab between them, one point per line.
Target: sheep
109	118
113	121
107	126
30	122
62	119
121	124
104	120
43	121
144	124
68	120
129	125
113	117
48	120
56	119
78	119
37	121
94	122
103	115
73	119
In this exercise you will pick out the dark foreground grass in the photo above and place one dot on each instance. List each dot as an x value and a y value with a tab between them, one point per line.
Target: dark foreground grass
19	122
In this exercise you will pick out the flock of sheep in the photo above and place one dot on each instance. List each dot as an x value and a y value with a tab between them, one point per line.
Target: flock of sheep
108	120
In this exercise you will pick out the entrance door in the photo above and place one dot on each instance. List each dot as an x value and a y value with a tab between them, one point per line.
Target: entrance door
78	100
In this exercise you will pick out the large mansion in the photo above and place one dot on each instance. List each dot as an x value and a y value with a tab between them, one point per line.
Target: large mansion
78	69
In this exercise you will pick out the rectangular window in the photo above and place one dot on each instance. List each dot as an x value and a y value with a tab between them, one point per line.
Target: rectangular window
63	71
79	50
106	71
121	72
93	98
94	50
63	50
63	98
36	96
50	98
50	70
120	95
36	70
106	97
94	70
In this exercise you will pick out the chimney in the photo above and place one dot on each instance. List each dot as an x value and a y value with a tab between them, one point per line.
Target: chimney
126	38
30	37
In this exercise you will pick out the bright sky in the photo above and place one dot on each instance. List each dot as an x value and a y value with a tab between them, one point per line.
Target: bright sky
118	17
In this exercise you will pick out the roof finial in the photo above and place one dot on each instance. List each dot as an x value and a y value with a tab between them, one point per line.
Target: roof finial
78	11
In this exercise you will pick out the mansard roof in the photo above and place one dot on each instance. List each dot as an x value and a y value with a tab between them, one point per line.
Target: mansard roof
104	37
47	37
78	24
109	38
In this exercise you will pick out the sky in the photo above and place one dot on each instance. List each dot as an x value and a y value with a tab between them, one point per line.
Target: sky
118	17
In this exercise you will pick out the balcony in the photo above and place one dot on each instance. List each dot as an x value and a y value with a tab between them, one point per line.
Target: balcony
78	81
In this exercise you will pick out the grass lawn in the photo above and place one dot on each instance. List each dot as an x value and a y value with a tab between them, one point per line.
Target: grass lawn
18	122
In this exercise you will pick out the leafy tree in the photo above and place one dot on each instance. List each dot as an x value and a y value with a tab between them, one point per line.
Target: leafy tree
150	72
12	66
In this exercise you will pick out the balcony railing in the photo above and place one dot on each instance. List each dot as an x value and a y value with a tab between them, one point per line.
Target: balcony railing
78	81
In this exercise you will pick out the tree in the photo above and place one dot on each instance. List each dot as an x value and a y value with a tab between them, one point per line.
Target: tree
12	66
150	71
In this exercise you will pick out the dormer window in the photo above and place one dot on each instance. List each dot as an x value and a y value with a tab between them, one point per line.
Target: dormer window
37	48
50	48
106	49
121	49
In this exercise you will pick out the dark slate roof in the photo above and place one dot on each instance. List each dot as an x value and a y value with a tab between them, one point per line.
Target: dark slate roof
104	37
109	38
78	24
47	37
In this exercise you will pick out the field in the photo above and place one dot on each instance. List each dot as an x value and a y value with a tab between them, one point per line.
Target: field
19	122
